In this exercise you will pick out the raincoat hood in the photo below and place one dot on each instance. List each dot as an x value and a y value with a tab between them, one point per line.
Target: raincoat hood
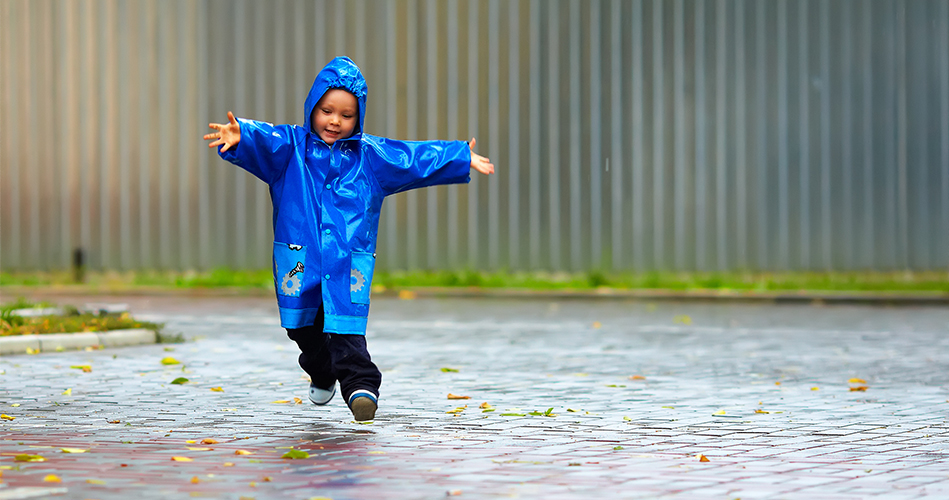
340	73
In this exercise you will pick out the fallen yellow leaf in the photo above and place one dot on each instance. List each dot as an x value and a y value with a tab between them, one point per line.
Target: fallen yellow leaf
170	361
181	459
192	448
95	481
15	405
6	417
217	389
815	388
637	377
52	478
280	401
485	406
597	324
861	388
29	458
684	319
68	392
191	441
407	295
73	450
762	411
297	400
857	381
267	479
719	412
455	396
243	452
208	441
702	458
195	480
377	453
228	464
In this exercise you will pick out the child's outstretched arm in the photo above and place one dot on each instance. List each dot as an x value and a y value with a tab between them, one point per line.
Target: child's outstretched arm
228	134
478	162
265	149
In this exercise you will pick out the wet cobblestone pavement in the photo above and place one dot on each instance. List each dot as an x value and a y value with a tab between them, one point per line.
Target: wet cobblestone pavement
639	393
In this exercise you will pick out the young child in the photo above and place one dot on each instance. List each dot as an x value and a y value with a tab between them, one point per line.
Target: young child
327	182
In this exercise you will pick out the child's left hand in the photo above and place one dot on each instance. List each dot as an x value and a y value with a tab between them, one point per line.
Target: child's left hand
478	162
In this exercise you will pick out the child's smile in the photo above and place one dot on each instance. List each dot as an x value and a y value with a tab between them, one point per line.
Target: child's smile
335	116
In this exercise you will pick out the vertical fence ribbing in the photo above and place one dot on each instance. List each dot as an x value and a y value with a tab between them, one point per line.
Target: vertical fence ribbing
844	179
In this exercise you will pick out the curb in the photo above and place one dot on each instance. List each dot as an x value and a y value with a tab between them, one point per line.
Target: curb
52	342
851	298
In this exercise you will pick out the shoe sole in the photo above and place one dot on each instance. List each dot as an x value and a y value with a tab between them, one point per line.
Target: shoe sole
363	409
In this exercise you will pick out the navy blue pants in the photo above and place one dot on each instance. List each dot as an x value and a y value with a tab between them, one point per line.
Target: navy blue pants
328	357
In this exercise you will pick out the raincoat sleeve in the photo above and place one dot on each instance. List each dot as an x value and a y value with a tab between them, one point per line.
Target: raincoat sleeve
403	165
265	149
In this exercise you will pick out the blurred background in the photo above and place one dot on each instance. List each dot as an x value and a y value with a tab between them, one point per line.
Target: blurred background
628	135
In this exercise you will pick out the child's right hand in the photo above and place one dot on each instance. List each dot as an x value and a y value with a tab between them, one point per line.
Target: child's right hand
228	134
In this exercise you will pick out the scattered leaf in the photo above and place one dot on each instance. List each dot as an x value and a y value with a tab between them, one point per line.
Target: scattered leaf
191	441
30	350
861	388
114	421
195	480
615	385
228	464
95	481
485	406
170	361
857	381
193	448
597	324
179	381
457	410
29	458
703	458
243	452
297	400
453	493
407	295
719	412
455	396
815	388
669	407
68	392
573	464
4	416
15	405
581	374
377	453
296	454
280	401
762	411
52	478
617	447
513	414
267	479
73	450
449	370
571	410
627	418
181	459
209	441
84	368
683	318
777	383
637	377
217	389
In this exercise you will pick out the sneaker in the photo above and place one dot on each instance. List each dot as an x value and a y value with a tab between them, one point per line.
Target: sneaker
363	404
321	396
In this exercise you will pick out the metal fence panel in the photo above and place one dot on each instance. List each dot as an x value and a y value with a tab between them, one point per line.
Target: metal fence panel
628	134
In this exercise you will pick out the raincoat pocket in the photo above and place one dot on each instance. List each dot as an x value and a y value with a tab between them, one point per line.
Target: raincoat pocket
289	270
360	277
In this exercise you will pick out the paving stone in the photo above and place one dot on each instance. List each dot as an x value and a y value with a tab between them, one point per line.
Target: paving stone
519	356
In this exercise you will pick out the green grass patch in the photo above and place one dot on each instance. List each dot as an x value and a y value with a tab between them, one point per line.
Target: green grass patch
70	321
869	281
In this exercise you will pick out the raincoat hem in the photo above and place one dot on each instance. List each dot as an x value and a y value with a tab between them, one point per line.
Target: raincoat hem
346	325
297	318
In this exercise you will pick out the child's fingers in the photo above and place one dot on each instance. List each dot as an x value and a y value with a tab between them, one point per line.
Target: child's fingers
471	143
230	118
225	148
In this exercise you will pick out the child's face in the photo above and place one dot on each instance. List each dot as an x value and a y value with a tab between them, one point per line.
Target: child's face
335	116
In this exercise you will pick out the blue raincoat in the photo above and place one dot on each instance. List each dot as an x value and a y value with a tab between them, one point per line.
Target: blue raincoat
326	201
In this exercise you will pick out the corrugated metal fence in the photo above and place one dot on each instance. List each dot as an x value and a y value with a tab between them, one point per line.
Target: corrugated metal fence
656	134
